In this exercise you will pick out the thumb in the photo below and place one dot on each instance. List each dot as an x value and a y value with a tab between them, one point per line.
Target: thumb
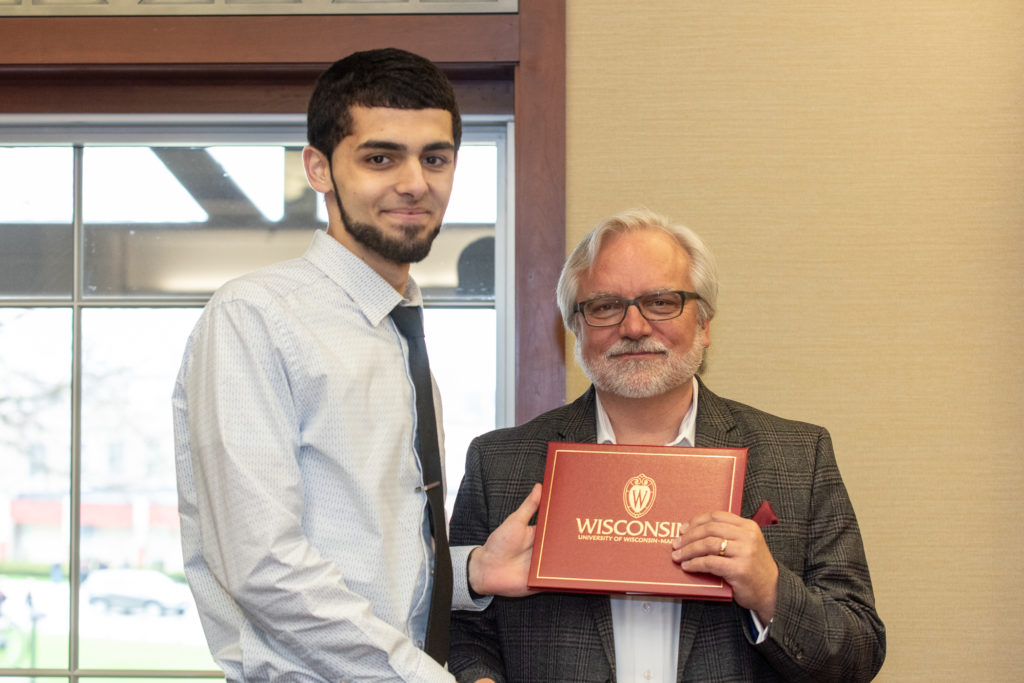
529	506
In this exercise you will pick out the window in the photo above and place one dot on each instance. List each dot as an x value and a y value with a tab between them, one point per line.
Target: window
109	246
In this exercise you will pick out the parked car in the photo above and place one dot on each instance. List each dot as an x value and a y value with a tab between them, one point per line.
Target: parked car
130	590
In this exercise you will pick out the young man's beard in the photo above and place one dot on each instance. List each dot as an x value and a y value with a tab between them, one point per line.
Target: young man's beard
636	378
409	250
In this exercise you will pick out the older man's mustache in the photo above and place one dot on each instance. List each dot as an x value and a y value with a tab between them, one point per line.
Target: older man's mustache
624	346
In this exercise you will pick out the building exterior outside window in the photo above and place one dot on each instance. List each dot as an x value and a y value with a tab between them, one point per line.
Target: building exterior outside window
108	250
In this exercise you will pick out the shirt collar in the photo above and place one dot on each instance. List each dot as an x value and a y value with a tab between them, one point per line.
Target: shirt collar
687	428
372	293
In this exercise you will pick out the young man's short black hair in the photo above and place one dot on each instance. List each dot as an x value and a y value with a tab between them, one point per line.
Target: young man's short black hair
387	77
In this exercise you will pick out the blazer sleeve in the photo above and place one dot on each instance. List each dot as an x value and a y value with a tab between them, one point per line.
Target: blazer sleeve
825	626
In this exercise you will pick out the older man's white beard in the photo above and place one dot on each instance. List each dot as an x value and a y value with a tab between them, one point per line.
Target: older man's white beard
641	378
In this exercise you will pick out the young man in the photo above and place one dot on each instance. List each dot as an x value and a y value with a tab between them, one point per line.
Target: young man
639	294
307	541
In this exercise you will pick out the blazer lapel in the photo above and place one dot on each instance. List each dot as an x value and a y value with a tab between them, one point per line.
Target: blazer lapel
715	429
580	426
580	423
601	607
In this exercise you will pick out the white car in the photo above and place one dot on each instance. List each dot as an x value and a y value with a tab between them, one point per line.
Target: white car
129	590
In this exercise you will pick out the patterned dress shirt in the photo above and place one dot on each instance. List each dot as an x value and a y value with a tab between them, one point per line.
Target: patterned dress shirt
305	539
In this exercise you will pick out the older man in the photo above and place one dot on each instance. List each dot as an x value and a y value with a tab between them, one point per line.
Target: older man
639	293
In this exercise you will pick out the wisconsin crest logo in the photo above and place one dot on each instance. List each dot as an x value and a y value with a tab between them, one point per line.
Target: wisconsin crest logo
638	495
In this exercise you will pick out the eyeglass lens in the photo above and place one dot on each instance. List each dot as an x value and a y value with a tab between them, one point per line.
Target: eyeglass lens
610	310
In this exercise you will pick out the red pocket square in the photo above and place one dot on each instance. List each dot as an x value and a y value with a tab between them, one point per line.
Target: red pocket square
765	516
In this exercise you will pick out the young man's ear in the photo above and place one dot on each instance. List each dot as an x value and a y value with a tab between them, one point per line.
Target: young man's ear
318	169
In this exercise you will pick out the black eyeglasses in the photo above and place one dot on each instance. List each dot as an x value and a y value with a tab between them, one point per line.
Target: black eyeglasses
605	311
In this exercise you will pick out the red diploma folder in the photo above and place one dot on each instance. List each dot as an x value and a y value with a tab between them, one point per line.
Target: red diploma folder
609	513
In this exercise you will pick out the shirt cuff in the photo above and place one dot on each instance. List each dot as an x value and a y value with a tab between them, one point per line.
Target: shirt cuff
461	597
760	632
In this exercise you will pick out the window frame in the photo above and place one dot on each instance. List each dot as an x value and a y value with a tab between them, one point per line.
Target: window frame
199	130
500	63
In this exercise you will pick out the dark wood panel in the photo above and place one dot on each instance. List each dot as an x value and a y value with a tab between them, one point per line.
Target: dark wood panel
209	89
452	38
540	206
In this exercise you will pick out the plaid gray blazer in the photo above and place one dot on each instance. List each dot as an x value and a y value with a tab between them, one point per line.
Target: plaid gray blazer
825	626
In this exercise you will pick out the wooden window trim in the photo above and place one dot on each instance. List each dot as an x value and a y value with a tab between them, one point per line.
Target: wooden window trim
267	64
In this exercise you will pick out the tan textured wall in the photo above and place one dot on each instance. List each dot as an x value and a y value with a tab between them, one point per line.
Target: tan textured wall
858	168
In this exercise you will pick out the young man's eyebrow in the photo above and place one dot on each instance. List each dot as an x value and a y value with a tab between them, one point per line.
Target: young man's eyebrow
440	146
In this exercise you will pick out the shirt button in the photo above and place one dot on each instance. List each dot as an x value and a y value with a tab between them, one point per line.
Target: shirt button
646	607
648	675
419	644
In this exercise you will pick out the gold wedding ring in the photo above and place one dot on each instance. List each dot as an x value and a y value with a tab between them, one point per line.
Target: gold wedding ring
721	548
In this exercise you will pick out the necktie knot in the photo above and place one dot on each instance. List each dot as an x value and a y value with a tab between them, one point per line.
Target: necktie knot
408	320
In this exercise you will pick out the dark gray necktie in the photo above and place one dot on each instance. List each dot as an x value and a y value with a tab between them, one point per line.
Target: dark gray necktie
409	320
